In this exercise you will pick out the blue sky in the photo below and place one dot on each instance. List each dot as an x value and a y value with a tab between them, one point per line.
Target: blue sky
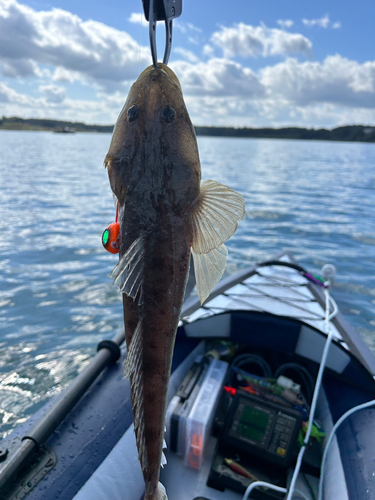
246	63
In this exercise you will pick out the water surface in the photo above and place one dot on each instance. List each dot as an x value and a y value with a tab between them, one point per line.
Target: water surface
315	199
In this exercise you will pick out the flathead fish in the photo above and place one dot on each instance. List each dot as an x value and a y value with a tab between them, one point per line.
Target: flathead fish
166	214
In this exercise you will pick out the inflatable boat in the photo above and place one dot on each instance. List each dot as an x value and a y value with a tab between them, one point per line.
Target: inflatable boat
270	396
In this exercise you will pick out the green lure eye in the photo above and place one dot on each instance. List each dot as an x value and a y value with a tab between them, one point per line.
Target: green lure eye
105	237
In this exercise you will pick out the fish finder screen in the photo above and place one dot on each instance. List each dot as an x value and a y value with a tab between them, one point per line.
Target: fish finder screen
253	423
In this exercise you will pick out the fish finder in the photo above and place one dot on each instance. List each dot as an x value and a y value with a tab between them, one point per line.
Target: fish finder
262	428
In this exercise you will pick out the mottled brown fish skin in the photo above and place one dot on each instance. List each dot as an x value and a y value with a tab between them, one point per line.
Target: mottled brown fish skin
154	171
163	296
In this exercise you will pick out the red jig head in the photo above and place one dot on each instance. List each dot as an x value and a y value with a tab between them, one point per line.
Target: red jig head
111	236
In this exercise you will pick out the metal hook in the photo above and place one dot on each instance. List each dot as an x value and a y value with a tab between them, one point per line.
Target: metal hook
161	10
152	31
168	40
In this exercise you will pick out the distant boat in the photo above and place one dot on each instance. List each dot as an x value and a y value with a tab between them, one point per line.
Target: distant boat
64	130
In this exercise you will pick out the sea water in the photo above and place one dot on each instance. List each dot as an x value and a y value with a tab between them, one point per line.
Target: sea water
315	199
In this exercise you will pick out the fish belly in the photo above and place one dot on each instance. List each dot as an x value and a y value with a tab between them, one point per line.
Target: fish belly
152	323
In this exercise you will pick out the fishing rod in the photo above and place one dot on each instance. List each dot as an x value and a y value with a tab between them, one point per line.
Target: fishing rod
161	10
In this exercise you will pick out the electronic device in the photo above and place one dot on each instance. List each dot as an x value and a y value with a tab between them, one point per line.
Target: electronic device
262	428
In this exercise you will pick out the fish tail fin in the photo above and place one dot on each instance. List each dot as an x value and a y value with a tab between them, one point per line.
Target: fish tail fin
213	221
159	494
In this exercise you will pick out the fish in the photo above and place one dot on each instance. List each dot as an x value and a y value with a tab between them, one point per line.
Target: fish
166	215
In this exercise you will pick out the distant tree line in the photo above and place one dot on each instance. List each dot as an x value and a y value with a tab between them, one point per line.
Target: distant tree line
44	124
348	133
362	133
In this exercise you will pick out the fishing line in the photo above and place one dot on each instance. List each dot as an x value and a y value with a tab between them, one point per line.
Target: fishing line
140	47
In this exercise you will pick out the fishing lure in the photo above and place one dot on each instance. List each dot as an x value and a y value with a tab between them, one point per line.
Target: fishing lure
111	236
236	467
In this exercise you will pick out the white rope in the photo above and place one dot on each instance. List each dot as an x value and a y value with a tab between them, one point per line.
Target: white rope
318	383
328	317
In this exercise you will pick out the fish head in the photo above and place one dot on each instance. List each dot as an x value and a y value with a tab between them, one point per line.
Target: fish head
154	147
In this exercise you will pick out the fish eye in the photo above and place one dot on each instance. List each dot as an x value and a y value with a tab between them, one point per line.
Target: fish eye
168	114
133	113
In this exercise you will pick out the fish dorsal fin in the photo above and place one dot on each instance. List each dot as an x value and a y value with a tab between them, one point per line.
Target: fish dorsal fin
215	216
213	221
209	268
129	272
133	369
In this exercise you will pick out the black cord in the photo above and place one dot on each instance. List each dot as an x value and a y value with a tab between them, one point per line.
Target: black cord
312	493
253	359
282	263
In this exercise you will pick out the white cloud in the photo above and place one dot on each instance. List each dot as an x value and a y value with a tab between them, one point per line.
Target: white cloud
63	75
53	93
105	110
7	94
285	23
138	18
221	111
208	50
334	92
193	40
323	22
52	47
186	54
20	68
336	80
217	77
245	40
186	27
192	32
330	115
90	49
336	25
231	111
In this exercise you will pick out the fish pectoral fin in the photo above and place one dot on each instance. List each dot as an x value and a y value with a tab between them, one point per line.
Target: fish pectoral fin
128	274
215	217
213	220
209	268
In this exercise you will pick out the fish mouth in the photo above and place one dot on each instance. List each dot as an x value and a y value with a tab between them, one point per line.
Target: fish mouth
151	71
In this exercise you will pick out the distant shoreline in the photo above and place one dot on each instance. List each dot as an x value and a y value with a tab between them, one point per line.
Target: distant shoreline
351	133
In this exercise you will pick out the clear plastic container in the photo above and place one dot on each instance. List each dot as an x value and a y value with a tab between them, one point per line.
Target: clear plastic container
199	421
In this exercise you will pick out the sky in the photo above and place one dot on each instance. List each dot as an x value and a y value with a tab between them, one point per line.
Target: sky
253	63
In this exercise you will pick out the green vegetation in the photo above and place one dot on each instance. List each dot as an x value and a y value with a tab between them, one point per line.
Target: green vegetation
354	133
348	133
43	124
